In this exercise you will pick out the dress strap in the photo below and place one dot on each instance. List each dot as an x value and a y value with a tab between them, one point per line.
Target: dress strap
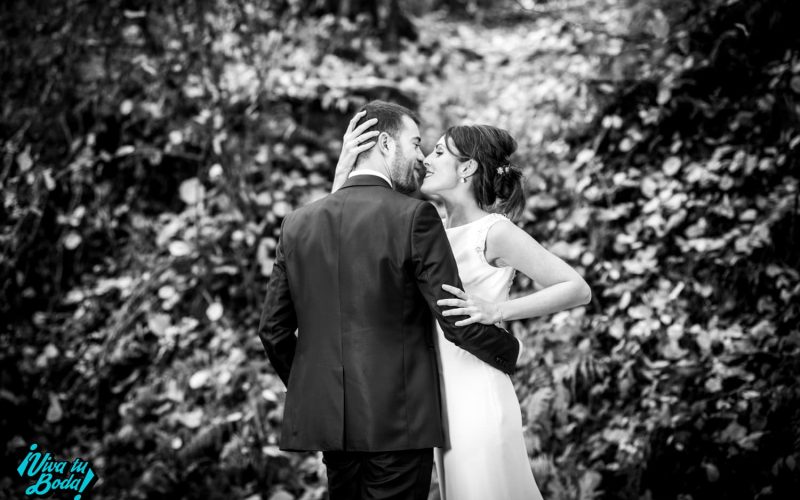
483	231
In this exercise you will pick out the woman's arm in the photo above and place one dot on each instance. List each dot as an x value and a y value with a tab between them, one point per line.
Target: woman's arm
351	147
508	245
562	286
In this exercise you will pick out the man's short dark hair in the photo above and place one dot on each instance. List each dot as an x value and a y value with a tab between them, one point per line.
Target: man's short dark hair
389	115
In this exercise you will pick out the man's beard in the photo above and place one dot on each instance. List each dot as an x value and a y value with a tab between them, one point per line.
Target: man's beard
404	175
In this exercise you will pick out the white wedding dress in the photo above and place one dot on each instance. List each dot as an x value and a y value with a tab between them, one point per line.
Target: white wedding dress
484	457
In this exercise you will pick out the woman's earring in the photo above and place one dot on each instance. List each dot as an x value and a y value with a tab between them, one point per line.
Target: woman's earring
462	180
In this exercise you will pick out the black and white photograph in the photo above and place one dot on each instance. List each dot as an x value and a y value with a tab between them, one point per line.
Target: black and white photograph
400	249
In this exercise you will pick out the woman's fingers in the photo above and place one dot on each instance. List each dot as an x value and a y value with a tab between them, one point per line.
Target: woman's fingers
366	135
455	291
353	143
450	302
462	311
354	120
364	126
467	321
364	147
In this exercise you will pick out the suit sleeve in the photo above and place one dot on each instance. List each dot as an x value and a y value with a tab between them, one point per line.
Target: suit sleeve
435	265
278	318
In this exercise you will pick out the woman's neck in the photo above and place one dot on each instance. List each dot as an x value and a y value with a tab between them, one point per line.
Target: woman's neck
460	212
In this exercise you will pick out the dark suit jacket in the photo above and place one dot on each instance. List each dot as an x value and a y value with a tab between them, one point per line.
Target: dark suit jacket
358	273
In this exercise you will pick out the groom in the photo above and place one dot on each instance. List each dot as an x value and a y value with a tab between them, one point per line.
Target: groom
358	274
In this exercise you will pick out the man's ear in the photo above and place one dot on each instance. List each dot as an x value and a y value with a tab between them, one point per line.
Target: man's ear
385	143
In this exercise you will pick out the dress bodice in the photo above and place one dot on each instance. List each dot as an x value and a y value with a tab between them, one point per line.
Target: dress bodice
480	278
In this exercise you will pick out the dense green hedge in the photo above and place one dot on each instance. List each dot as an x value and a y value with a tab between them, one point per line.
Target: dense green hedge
151	149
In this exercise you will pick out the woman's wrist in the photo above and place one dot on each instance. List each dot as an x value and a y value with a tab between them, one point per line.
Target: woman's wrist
498	313
339	173
339	178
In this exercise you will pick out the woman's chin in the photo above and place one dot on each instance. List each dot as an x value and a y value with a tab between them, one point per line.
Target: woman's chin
434	191
428	188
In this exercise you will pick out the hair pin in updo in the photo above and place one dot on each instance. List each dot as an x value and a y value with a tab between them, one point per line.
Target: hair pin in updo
503	170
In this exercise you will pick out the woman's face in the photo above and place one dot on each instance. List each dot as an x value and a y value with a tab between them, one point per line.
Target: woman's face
441	169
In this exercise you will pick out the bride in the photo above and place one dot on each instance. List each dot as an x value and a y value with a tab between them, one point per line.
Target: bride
469	171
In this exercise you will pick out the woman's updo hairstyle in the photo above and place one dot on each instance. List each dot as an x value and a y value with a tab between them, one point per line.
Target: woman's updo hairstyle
497	184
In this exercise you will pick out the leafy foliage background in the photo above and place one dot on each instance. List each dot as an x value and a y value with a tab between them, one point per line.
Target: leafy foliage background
151	149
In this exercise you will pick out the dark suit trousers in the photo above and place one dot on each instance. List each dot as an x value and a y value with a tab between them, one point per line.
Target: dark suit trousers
396	475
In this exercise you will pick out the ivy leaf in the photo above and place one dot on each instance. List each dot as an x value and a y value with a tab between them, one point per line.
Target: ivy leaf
54	412
192	191
640	311
269	396
125	150
158	323
24	160
281	495
176	137
265	261
281	208
588	485
664	94
215	172
199	379
795	83
167	292
671	165
49	181
191	419
214	311
712	473
584	157
169	230
659	24
72	240
713	385
179	249
734	433
126	107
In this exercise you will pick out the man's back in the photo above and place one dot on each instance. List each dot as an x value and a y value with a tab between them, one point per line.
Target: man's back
358	273
364	376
